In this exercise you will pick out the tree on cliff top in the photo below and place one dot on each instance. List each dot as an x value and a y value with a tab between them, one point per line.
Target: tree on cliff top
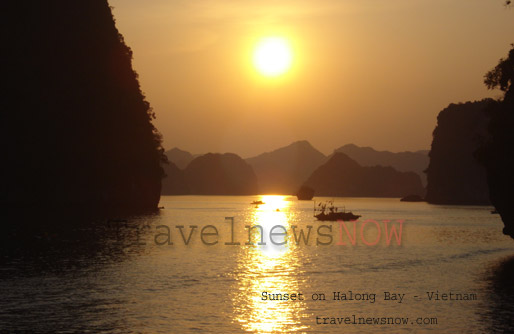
502	76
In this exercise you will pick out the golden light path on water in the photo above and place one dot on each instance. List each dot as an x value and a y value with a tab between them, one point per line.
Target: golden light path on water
268	268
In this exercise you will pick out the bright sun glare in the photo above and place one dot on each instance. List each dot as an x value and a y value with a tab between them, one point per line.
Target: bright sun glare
272	56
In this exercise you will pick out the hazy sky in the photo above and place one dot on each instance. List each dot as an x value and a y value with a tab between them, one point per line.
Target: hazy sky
370	72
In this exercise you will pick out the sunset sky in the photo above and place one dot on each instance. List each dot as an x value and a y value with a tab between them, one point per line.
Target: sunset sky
374	73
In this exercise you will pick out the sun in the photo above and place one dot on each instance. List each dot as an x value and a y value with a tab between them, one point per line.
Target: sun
272	56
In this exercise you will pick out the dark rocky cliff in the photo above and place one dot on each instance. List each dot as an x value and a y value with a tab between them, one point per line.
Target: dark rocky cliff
77	130
497	152
454	174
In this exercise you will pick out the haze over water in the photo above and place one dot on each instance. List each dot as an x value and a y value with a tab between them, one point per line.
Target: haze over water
117	284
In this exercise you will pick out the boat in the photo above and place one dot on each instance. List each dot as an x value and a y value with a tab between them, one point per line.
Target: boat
257	203
328	212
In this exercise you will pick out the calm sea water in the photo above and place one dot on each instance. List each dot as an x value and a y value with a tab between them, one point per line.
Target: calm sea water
115	278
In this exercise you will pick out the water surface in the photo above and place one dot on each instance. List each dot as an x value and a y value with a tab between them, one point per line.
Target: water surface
115	278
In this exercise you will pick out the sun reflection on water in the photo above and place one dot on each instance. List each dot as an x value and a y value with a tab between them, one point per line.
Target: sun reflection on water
268	268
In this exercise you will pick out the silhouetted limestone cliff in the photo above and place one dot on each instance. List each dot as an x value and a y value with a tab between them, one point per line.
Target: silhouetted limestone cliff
342	176
174	182
401	161
496	154
78	130
220	174
283	170
454	175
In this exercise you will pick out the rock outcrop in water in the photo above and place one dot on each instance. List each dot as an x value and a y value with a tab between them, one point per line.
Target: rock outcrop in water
454	175
305	193
342	176
401	161
77	130
496	154
283	170
220	174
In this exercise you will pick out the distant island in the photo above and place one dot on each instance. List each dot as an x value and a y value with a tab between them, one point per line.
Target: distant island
401	161
179	157
342	176
287	170
220	174
211	174
283	170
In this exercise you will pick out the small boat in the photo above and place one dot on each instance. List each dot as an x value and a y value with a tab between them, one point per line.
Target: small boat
257	203
328	212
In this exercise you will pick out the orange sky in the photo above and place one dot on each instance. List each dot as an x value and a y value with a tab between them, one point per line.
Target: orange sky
370	72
